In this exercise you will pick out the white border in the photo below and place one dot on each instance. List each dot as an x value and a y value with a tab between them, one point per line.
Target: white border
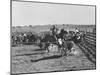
5	37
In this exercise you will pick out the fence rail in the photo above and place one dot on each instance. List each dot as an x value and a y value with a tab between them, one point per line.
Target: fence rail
88	46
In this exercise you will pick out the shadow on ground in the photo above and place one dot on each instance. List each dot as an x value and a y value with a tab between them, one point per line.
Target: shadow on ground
46	58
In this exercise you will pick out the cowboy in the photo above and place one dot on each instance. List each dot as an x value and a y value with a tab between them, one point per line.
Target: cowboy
54	31
76	31
61	37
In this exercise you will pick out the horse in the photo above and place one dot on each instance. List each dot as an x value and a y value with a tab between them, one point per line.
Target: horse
64	46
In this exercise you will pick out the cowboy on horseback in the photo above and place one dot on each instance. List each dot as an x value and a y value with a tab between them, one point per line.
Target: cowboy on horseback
54	31
60	39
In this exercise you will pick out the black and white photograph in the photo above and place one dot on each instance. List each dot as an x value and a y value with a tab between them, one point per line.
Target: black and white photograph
52	37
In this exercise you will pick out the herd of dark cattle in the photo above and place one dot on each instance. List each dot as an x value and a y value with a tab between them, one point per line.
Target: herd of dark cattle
22	38
44	39
31	38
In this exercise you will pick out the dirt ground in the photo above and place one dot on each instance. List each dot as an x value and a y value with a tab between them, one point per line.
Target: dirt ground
31	59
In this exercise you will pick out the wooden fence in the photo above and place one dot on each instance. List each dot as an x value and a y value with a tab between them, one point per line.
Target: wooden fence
88	46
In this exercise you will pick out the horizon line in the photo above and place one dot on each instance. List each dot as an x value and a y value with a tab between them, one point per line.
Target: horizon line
49	24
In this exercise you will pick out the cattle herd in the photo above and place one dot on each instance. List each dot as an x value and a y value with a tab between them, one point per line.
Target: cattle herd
44	39
22	38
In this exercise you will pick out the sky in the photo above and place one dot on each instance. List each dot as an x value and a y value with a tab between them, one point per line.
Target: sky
30	13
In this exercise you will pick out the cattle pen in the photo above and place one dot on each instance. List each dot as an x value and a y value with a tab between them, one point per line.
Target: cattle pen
29	57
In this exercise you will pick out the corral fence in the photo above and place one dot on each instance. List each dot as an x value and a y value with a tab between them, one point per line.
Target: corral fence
88	46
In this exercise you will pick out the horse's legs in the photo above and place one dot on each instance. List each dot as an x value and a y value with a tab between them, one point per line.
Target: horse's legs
63	51
59	49
46	48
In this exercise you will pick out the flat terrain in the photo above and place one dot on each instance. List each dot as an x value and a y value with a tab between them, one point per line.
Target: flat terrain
32	59
42	28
